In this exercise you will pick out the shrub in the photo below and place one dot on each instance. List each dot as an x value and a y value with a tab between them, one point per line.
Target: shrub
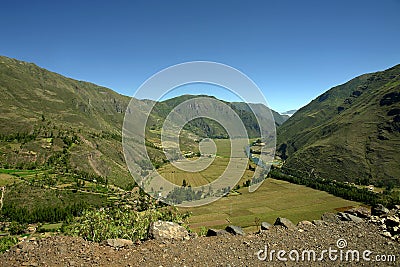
7	242
16	228
99	225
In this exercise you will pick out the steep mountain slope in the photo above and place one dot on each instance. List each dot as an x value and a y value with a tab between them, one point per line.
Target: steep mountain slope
50	121
60	119
349	133
208	128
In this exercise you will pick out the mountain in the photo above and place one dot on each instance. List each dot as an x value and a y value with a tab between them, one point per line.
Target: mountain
349	133
289	113
204	127
49	121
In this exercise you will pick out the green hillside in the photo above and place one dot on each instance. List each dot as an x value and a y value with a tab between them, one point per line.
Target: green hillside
204	127
349	133
52	122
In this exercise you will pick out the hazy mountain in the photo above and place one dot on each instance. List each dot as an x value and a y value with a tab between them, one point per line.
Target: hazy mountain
351	132
289	112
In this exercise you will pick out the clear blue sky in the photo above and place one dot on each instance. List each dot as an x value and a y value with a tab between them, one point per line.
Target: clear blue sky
293	50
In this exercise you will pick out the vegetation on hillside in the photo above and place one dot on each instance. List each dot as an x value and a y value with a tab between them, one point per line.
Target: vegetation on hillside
349	133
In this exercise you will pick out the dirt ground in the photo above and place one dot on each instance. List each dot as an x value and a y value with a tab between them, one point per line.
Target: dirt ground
340	241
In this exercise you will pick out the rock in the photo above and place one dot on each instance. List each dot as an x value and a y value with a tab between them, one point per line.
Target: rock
304	223
236	230
344	216
161	230
265	226
319	223
392	221
360	211
193	235
355	218
119	242
330	217
395	230
216	232
387	234
348	217
379	210
285	223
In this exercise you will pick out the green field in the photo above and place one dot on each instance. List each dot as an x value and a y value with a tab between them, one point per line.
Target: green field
207	175
273	199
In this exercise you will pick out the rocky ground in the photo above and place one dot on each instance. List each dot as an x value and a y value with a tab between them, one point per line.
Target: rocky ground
337	234
223	250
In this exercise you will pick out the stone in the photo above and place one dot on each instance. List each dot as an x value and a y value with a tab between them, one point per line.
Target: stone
386	234
392	221
162	230
396	230
119	242
265	226
344	216
354	218
330	217
360	211
216	232
319	223
304	223
285	223
379	210
235	230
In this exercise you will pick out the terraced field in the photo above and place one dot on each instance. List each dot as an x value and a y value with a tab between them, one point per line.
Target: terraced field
273	199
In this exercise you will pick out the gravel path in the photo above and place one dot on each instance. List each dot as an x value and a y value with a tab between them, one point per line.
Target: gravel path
227	250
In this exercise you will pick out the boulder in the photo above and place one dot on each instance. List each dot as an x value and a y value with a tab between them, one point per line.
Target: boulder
285	223
344	216
330	217
349	218
360	211
355	218
379	210
392	221
216	232
162	230
235	230
265	226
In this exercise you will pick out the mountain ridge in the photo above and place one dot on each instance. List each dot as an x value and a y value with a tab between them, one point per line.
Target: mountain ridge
349	133
41	109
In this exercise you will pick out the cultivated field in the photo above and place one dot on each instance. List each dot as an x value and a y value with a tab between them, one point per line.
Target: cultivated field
273	199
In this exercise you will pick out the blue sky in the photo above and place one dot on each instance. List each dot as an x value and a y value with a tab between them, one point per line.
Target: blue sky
293	50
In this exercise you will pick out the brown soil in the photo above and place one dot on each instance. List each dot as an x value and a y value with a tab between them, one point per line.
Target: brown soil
227	250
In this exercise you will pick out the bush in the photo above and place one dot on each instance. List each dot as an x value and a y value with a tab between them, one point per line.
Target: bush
16	228
7	242
99	225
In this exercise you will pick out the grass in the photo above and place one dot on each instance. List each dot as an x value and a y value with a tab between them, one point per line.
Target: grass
273	199
7	179
51	227
211	173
